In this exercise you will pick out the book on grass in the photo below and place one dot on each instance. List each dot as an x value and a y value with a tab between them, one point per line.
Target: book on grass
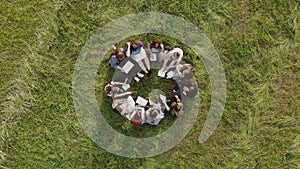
161	73
128	66
170	74
141	101
126	86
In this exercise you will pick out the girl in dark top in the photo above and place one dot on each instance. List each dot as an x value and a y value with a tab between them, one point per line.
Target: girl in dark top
176	106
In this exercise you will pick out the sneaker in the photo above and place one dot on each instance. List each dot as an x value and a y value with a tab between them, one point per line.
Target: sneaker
172	91
136	79
140	75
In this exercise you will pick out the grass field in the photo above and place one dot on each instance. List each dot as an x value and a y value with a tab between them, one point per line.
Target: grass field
258	43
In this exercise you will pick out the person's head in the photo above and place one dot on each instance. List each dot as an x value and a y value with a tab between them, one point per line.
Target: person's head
190	68
187	74
155	43
135	44
137	115
120	56
153	113
108	88
176	54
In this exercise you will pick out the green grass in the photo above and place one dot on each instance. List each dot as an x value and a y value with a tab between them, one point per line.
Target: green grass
258	43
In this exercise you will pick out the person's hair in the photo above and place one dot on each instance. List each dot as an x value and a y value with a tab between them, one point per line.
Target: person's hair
135	42
117	50
193	70
155	43
175	108
153	113
137	115
108	88
120	55
177	54
188	75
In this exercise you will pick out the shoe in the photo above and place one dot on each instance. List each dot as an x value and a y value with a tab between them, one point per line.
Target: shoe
136	79
140	75
172	91
149	72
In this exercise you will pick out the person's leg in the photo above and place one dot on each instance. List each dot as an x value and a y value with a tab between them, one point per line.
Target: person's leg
160	56
165	61
147	62
142	66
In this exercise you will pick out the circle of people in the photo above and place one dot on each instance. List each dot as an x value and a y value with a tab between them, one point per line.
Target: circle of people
150	111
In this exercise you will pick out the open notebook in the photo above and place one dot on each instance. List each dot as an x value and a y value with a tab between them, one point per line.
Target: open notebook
141	101
128	66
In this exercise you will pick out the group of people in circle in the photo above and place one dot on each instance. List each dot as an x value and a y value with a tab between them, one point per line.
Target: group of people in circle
153	110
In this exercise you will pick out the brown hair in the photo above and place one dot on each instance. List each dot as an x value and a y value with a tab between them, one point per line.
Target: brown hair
135	42
120	55
175	108
193	70
155	43
115	52
108	88
177	54
137	115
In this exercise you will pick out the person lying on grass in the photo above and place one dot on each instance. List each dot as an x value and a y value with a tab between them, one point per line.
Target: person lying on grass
116	58
135	50
187	88
124	106
114	88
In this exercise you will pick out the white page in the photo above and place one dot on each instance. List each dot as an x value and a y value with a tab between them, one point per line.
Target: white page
140	56
126	86
170	74
153	57
128	66
161	73
141	101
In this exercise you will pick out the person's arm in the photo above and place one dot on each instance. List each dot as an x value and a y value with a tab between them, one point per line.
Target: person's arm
128	49
173	64
185	90
117	83
122	94
149	44
166	58
133	114
164	101
113	61
177	99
